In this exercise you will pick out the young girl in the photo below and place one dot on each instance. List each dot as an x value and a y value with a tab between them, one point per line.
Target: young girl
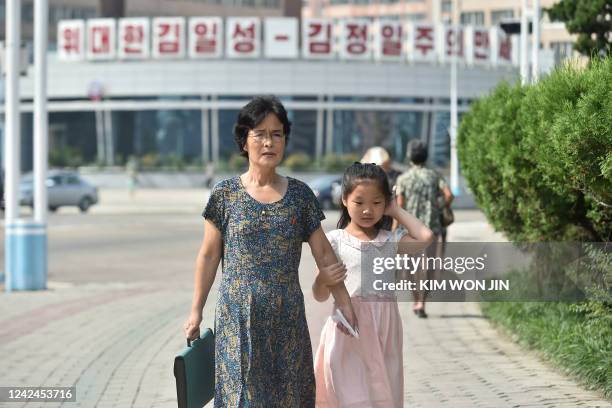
367	371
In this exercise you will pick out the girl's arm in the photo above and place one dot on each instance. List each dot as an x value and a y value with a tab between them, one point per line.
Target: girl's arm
207	263
419	236
324	256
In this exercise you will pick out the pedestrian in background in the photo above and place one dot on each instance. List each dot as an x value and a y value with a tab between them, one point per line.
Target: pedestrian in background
422	192
132	174
379	156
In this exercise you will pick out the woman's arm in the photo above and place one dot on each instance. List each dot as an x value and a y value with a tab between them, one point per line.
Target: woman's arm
324	256
448	196
326	277
320	291
207	263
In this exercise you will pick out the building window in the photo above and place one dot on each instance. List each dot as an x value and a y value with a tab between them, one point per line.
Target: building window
334	2
57	13
473	18
416	17
27	13
500	15
562	50
447	6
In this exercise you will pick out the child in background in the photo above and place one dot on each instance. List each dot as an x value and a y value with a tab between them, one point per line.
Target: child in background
366	371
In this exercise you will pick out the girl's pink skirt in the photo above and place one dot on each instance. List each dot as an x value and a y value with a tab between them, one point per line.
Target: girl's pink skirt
366	372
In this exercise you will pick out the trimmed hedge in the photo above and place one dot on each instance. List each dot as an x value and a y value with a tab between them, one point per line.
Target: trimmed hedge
538	158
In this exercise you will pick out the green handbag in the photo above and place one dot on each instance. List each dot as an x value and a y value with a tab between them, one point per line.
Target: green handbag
194	370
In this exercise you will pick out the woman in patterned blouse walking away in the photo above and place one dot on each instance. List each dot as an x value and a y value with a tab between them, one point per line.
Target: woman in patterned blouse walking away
423	192
255	224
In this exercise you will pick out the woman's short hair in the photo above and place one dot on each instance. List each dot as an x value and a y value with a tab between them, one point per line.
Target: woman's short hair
417	151
253	113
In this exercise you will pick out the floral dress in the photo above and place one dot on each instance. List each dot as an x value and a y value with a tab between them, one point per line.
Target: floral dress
263	355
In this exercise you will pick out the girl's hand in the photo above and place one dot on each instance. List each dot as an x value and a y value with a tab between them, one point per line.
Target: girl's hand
332	275
191	328
392	208
351	318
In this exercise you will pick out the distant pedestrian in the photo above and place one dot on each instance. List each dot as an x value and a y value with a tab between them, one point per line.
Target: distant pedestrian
368	371
422	191
379	156
132	174
209	177
255	225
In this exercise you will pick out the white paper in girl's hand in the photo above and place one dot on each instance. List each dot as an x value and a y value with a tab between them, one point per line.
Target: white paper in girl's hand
339	317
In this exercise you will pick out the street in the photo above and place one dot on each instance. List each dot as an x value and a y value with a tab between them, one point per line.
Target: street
120	287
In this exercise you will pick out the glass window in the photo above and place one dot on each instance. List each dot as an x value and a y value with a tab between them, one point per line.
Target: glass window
27	13
473	18
72	180
562	50
416	17
501	15
447	6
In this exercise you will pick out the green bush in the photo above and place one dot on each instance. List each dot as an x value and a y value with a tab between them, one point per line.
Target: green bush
335	163
150	161
298	161
575	337
236	162
493	163
538	158
65	156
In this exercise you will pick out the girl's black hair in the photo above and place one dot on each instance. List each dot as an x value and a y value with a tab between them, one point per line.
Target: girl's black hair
356	174
253	113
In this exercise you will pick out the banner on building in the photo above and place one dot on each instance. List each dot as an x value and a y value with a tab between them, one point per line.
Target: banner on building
138	38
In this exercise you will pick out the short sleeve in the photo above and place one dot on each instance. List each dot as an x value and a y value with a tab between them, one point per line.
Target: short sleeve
399	185
312	214
442	184
215	208
332	237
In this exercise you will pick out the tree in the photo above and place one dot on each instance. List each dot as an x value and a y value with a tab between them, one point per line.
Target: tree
590	19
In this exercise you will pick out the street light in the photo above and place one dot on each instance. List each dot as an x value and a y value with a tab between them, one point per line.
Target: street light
454	162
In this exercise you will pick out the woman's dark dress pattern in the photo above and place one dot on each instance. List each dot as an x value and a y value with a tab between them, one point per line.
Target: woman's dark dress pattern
263	354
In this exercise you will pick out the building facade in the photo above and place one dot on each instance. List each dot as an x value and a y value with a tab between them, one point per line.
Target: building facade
104	112
554	36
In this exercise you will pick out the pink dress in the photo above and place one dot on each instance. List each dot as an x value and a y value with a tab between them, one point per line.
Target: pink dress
366	372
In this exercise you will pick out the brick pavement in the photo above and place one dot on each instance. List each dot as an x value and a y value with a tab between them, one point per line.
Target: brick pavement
116	342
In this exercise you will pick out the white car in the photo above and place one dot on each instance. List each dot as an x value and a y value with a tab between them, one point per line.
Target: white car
64	188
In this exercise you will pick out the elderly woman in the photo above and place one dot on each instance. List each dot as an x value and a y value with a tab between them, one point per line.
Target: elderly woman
256	223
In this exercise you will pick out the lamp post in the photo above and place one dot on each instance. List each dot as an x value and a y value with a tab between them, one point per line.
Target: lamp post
454	161
26	239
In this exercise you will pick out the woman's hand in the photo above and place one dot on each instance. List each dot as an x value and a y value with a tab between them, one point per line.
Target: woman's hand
191	327
332	275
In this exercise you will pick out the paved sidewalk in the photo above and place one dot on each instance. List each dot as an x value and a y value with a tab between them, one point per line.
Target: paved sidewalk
116	341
